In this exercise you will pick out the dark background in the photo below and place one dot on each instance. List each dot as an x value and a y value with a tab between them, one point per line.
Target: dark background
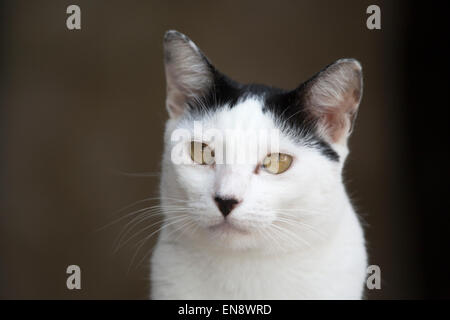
81	109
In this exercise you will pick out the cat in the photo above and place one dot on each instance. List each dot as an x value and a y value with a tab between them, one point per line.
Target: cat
283	228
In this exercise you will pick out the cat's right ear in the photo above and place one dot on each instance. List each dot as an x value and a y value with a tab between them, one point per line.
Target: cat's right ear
188	72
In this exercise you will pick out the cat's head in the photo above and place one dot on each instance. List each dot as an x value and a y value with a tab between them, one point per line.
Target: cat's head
286	191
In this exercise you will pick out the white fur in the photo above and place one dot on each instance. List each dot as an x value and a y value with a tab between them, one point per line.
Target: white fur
318	254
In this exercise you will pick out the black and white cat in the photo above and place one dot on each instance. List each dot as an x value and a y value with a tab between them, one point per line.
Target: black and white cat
279	228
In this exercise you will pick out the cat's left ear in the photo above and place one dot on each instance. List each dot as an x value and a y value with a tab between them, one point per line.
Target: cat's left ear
332	98
189	74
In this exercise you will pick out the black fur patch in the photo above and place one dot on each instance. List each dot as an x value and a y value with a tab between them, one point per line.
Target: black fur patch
285	105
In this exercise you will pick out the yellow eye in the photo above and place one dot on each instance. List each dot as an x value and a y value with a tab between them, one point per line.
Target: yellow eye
277	163
201	153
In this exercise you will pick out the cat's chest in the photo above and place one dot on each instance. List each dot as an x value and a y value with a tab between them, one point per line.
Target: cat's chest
241	277
250	280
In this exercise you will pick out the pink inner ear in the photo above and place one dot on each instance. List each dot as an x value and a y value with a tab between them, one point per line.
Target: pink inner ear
187	74
338	119
333	97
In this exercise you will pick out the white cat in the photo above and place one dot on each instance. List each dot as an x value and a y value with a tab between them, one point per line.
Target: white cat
280	228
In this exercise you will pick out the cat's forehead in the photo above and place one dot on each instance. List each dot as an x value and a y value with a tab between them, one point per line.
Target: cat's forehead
246	114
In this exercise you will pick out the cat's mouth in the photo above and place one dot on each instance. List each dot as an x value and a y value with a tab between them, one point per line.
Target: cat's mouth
227	227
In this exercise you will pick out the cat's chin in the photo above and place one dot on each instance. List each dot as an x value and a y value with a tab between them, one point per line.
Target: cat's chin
226	227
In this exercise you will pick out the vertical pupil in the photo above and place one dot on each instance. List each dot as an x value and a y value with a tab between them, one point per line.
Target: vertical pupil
198	153
202	153
277	162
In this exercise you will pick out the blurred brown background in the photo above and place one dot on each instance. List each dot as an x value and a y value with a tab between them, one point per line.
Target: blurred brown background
81	108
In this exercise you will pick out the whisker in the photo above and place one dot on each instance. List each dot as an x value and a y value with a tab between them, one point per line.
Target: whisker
183	226
292	234
147	213
124	242
122	218
135	222
293	223
142	242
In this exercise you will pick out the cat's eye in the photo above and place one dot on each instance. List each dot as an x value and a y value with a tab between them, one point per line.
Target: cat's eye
201	153
277	163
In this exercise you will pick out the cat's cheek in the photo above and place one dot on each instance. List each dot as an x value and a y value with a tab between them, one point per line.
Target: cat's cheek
195	178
